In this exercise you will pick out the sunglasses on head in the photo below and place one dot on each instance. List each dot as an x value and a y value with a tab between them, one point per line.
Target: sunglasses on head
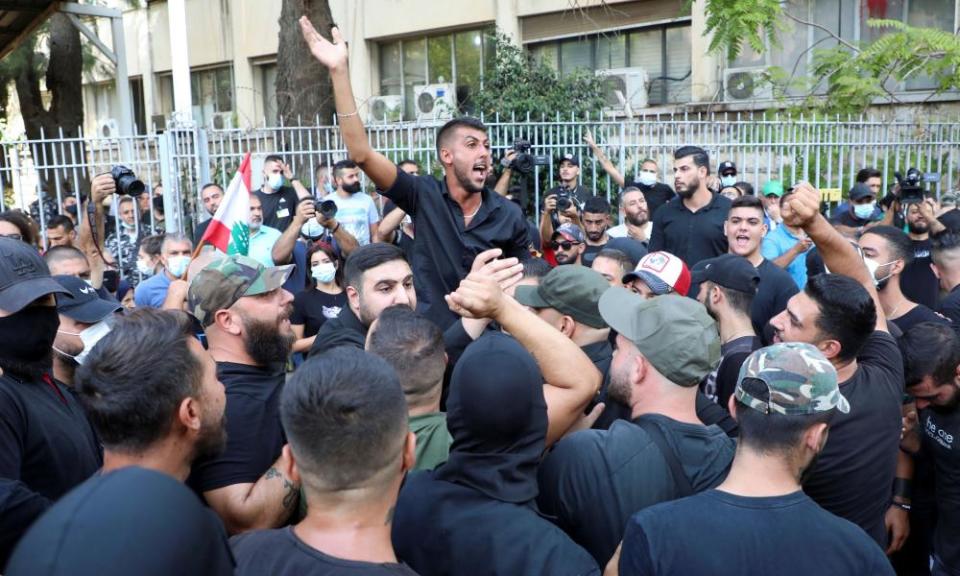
564	245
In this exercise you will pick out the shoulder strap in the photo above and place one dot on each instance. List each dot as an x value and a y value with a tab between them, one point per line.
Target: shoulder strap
656	434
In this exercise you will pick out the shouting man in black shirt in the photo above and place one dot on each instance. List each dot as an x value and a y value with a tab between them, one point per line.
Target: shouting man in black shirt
349	444
455	218
841	315
46	443
245	313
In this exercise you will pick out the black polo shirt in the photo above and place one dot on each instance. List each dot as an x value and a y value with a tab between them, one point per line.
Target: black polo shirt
691	236
443	250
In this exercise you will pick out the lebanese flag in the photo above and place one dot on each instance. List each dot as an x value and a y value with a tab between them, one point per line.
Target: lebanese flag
229	230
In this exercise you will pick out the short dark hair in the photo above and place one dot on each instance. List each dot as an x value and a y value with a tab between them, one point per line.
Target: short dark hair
366	257
746	202
865	174
61	253
345	418
406	161
746	187
596	205
945	241
61	221
447	130
414	347
130	402
342	165
740	301
152	245
628	190
23	224
900	245
847	312
273	158
700	157
930	349
618	256
772	433
535	268
210	185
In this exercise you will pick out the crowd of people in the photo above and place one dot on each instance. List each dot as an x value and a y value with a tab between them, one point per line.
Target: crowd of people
424	381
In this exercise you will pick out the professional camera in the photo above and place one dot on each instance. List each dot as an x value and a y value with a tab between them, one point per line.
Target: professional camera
910	189
564	201
524	162
327	208
126	181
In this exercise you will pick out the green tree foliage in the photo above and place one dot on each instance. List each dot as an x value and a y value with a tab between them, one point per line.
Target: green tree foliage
519	84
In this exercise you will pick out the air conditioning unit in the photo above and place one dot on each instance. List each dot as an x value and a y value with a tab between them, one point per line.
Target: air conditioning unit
435	101
625	88
747	84
108	128
222	121
384	109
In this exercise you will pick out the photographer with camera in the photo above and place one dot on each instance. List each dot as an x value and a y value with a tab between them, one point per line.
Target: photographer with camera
312	222
569	172
119	249
358	214
556	213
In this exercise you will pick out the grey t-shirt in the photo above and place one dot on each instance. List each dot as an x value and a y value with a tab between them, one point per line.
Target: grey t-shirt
592	481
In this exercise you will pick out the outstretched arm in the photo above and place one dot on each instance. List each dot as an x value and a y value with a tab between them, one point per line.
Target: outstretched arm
333	55
605	162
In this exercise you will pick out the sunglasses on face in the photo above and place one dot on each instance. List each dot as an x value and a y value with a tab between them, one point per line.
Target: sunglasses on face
564	245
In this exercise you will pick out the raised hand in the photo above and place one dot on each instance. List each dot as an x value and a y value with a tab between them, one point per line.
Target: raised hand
804	205
333	55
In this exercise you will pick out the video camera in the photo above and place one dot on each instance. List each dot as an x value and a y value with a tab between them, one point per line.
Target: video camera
525	162
911	190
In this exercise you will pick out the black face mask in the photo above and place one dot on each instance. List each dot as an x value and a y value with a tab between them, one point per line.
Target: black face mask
26	339
351	188
71	209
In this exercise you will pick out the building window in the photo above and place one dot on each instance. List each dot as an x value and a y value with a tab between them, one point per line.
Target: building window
268	78
139	115
459	58
662	51
212	93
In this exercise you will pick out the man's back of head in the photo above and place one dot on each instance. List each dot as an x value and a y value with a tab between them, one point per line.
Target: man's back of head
346	422
414	347
847	313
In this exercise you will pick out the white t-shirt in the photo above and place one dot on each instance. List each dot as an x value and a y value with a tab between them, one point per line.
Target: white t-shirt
356	214
621	230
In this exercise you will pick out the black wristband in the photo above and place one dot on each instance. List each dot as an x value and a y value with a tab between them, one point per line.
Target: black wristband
902	488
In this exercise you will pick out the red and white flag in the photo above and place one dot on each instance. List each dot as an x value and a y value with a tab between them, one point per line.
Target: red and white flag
229	230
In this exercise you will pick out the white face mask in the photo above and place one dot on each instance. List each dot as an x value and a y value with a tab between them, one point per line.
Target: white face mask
324	272
177	265
275	181
864	211
312	229
728	180
648	178
89	336
144	268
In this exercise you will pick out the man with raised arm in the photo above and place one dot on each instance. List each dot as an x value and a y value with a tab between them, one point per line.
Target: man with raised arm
457	217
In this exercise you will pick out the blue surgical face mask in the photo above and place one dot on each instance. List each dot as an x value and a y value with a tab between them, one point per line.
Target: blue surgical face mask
728	180
323	272
275	181
177	265
312	229
328	187
864	211
648	178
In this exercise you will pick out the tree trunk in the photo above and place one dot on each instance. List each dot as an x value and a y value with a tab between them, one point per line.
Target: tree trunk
304	91
64	85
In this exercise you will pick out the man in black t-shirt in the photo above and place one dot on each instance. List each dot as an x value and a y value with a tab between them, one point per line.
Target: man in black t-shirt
758	520
346	418
919	282
728	285
245	313
946	265
931	359
888	252
840	313
655	193
279	193
596	221
568	170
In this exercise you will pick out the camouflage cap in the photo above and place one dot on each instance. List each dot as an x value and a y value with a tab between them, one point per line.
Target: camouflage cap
225	280
799	378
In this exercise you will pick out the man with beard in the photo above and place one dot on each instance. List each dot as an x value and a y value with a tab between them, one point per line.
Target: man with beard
636	218
211	195
47	446
85	319
152	394
263	238
568	244
759	519
745	229
887	252
355	211
931	359
455	218
245	313
919	282
691	226
594	480
840	313
596	221
655	193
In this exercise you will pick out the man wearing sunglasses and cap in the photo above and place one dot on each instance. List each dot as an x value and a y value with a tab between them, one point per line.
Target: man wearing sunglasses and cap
46	443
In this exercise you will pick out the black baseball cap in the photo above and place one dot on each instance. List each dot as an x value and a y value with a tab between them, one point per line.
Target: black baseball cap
24	276
571	158
729	271
727	166
84	304
860	191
